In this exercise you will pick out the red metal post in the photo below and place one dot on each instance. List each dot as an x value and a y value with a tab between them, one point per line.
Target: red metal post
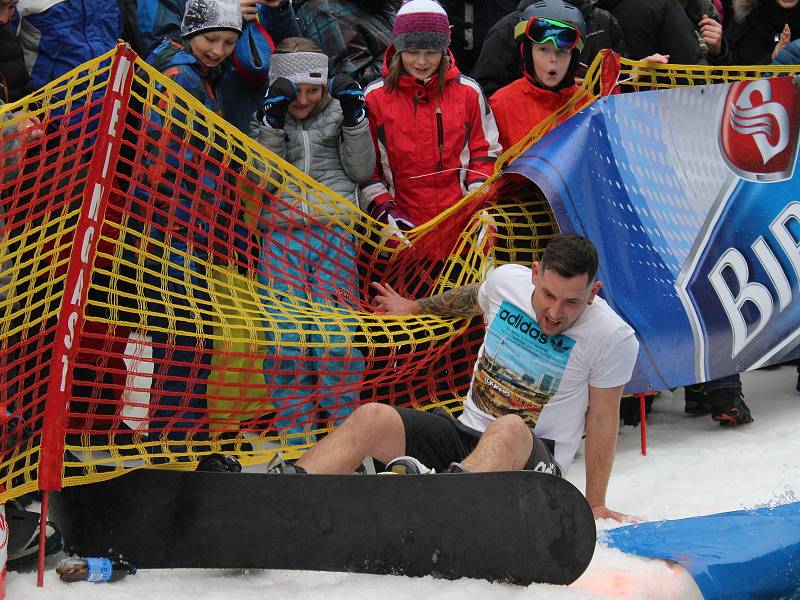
42	537
643	422
3	547
100	175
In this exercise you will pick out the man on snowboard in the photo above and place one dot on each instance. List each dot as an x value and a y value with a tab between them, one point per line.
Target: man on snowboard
552	367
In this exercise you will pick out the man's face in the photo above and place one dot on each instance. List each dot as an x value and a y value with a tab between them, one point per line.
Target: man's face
559	301
8	10
787	3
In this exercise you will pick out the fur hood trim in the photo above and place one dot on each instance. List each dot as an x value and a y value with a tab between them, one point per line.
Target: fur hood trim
741	8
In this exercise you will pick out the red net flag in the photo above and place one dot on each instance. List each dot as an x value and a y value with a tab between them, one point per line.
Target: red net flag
100	173
47	145
3	551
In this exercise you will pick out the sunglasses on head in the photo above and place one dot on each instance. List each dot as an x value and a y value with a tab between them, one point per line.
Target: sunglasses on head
541	30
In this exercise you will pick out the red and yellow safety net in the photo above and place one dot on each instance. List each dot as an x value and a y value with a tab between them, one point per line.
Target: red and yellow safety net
169	288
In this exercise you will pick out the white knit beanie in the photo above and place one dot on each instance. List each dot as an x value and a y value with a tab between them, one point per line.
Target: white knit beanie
202	15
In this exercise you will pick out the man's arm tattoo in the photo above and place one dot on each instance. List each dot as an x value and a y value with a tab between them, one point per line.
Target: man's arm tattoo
460	302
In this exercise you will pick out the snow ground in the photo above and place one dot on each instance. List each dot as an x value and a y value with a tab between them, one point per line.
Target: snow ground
693	467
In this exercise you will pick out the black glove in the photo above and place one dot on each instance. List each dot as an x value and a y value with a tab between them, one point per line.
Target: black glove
351	98
280	95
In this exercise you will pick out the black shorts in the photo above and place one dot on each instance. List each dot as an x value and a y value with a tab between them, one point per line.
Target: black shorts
436	439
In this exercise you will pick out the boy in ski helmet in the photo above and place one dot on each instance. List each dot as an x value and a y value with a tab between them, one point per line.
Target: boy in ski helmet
550	37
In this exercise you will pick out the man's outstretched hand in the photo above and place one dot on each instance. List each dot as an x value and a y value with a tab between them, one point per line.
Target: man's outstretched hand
601	511
388	301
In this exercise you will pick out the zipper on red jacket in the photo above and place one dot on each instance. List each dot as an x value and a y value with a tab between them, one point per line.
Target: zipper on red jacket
440	133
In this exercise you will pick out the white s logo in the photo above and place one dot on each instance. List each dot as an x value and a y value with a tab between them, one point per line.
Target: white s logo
758	121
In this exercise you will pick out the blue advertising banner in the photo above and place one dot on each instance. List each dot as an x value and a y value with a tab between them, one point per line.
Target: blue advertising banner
693	200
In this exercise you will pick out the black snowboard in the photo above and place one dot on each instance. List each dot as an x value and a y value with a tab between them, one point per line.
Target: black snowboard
519	527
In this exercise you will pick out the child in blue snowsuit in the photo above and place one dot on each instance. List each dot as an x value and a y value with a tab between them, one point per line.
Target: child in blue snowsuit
241	90
308	249
187	211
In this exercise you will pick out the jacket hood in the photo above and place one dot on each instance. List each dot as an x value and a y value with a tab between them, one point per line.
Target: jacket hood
452	70
741	8
173	52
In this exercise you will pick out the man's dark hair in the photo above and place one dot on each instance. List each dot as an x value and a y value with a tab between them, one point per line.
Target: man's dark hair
570	255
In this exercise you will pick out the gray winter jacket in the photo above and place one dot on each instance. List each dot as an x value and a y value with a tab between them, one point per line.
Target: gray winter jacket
320	146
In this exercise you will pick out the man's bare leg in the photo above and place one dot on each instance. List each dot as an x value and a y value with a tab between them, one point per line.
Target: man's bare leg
506	445
372	430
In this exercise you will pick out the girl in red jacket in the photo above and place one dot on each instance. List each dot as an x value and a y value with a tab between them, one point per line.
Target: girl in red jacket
435	136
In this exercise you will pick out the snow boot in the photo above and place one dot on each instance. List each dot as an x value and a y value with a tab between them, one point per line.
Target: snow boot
220	463
629	411
406	465
23	537
696	401
456	467
728	408
279	466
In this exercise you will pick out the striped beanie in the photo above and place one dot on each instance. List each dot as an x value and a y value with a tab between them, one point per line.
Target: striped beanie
204	15
421	24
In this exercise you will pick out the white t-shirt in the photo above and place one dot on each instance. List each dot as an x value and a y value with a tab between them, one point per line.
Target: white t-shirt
544	379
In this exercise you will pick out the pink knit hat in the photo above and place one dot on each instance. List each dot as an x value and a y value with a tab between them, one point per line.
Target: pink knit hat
421	24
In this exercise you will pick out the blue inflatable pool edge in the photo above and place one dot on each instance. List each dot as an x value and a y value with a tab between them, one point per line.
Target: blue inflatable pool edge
740	554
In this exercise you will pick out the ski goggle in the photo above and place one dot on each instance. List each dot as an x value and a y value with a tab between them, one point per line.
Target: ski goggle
541	30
